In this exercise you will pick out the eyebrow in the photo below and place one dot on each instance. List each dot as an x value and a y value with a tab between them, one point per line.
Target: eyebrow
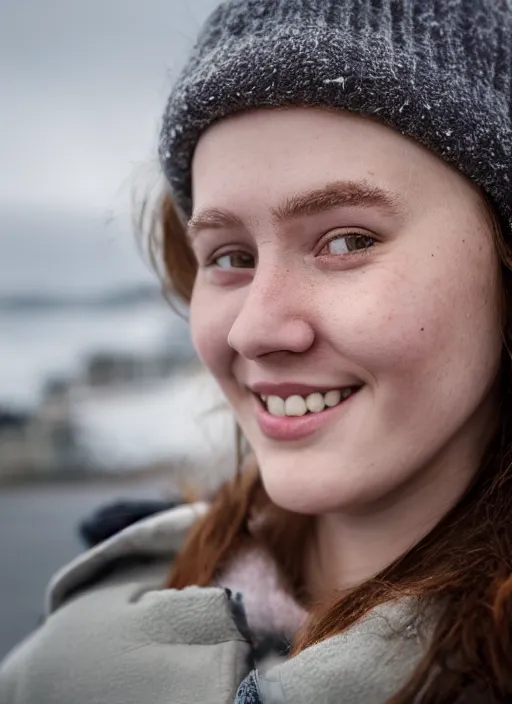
333	195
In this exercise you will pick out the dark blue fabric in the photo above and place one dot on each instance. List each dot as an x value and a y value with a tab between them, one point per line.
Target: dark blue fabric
109	519
248	692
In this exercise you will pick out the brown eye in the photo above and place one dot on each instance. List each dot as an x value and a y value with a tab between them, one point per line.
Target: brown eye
234	260
345	244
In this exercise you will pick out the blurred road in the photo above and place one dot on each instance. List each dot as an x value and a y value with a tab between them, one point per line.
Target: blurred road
38	535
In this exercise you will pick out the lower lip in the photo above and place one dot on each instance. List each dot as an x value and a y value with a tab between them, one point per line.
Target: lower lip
297	427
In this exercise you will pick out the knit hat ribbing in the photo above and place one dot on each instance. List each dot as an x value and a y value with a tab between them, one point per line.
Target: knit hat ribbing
439	71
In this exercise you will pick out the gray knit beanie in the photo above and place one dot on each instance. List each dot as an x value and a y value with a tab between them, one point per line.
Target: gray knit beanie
437	70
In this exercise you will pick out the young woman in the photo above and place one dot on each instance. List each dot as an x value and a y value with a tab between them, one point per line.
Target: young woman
338	216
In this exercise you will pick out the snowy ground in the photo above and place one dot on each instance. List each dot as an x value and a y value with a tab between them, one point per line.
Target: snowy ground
184	420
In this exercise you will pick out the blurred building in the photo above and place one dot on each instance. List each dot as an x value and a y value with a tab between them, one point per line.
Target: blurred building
109	369
124	413
41	443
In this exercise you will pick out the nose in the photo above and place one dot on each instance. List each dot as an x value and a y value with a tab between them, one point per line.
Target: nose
272	316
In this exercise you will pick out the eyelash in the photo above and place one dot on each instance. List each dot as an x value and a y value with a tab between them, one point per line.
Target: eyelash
357	253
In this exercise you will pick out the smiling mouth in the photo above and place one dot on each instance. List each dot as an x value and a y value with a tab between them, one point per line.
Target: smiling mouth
297	406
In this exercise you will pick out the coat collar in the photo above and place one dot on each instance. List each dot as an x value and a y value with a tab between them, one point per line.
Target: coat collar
159	536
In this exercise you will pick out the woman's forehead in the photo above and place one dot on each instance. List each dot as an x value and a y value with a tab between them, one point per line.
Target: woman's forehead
289	157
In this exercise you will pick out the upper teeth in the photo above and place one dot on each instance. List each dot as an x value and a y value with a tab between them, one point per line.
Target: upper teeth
299	405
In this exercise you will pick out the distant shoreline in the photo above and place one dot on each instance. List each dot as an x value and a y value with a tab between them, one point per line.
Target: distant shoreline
91	479
119	298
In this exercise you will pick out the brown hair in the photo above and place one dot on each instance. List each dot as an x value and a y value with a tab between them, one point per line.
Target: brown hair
466	559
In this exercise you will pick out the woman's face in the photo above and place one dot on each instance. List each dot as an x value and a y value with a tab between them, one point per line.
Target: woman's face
347	276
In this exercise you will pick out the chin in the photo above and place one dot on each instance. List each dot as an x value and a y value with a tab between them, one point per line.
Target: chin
295	488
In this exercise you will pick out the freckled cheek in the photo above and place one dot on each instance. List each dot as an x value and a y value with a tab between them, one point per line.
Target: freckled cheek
211	320
388	330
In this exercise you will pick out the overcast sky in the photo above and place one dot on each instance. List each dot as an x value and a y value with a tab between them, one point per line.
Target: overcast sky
84	83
